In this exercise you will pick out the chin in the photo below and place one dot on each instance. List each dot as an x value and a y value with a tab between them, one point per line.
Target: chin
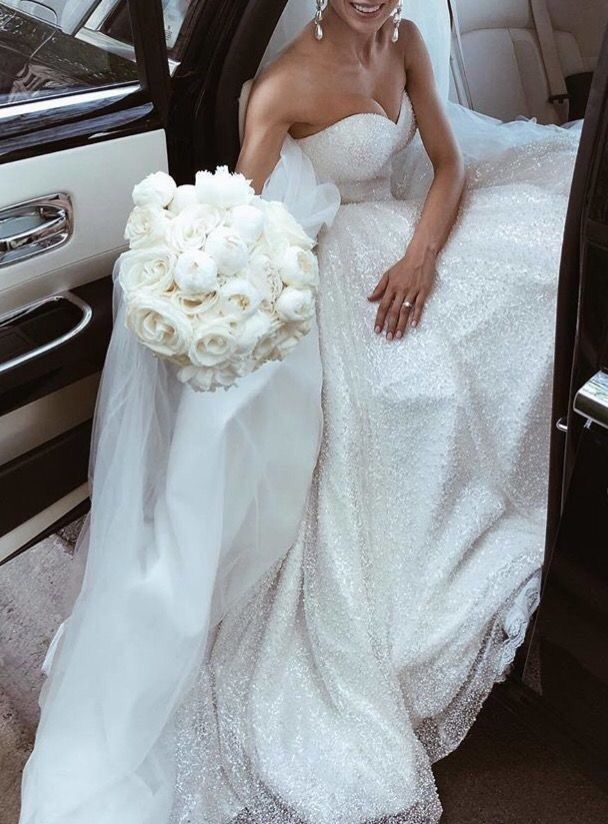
366	16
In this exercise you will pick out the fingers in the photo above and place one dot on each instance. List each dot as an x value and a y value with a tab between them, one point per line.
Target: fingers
406	311
394	315
418	308
383	310
380	288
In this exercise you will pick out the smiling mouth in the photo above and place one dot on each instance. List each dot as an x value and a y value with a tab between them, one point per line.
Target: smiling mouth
368	10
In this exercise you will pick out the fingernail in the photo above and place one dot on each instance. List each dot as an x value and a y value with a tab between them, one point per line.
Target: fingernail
389	336
377	330
414	323
399	334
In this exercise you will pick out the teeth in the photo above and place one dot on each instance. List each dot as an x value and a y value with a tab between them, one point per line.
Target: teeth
367	9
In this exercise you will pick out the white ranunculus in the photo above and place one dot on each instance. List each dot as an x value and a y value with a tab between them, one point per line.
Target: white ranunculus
147	226
159	324
196	272
190	227
295	304
213	343
147	269
248	222
299	268
251	332
239	298
223	189
156	189
281	229
228	250
184	196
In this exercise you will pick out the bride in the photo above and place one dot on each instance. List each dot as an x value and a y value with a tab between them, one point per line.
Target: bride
299	593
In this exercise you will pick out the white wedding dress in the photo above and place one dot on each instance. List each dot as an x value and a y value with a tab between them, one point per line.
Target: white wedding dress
365	653
299	592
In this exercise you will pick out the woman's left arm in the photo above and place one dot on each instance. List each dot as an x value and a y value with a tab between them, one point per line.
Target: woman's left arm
404	289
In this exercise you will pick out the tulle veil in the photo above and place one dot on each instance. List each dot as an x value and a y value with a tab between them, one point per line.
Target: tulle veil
194	497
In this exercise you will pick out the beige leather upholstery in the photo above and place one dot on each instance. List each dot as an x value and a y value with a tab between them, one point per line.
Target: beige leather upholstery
501	59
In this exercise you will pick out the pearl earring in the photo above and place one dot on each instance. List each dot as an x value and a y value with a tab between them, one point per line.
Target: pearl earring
396	21
319	20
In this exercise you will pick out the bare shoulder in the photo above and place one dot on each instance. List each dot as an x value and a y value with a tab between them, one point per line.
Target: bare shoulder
412	43
283	92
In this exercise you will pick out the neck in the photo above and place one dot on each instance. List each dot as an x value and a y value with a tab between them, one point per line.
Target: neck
344	39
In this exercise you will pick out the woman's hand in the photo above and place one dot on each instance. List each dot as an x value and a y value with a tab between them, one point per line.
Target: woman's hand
403	291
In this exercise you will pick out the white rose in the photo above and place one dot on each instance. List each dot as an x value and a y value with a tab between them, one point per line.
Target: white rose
295	304
196	272
239	298
287	340
214	342
281	229
157	189
228	250
248	222
192	305
299	268
191	226
147	226
184	196
147	269
159	324
252	331
223	189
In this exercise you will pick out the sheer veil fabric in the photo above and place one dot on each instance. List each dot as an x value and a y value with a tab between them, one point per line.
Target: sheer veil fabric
194	498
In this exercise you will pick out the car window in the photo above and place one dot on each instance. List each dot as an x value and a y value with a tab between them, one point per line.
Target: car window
176	12
42	54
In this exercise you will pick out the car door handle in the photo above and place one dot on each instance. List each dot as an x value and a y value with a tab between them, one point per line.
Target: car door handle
591	400
14	317
34	226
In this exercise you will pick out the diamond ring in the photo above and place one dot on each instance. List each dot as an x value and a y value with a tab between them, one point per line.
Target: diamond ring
408	304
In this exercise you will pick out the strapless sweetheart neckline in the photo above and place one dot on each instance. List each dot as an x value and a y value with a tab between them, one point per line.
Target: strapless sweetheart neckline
349	117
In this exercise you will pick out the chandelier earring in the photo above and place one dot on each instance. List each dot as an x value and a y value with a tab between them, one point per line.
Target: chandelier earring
321	5
396	21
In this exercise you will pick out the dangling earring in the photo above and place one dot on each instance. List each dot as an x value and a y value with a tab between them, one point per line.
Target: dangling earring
396	21
319	20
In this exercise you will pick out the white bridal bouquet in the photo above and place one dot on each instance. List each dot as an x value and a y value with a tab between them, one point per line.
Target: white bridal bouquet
216	279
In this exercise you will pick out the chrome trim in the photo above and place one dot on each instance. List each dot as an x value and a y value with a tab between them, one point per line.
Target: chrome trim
562	425
591	400
17	314
55	216
46	104
110	44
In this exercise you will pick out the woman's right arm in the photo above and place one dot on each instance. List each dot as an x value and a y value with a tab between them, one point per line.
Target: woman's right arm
266	125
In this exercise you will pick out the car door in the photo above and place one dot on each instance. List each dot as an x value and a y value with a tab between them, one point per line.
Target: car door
568	662
80	124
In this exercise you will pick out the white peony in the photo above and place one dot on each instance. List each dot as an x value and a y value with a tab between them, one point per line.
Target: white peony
281	229
159	324
239	298
228	250
252	331
299	268
189	229
193	305
213	342
295	304
147	269
184	196
248	222
286	340
223	189
147	226
195	272
263	274
157	190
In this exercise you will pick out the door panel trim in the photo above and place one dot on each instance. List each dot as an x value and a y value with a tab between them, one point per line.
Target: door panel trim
30	426
28	531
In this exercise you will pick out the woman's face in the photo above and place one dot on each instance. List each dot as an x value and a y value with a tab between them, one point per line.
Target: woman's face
365	16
